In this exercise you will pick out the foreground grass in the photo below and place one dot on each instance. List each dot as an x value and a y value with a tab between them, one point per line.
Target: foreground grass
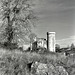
15	62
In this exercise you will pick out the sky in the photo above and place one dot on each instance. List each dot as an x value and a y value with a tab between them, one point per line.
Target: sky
55	16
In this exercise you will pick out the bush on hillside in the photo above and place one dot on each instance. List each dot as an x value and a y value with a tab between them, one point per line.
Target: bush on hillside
11	46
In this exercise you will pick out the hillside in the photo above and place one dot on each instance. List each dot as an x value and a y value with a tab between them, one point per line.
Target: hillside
16	63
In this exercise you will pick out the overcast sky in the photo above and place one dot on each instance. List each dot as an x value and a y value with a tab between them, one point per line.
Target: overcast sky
56	15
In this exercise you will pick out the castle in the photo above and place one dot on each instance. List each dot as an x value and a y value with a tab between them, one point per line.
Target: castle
49	44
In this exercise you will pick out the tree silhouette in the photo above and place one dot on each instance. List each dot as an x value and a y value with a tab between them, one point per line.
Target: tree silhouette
57	48
72	46
17	19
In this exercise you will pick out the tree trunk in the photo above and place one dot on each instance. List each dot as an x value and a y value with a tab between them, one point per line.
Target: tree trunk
9	31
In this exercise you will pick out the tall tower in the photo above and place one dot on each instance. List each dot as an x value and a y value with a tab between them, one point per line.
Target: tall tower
51	41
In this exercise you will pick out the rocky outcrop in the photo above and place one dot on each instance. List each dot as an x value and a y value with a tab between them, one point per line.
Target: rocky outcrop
61	70
48	69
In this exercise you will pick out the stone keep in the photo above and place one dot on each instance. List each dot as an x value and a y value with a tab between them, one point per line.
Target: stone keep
51	41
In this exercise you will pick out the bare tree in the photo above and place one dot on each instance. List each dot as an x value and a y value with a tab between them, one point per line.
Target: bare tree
33	38
17	19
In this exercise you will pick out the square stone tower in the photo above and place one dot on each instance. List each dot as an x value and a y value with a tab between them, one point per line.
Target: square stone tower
51	41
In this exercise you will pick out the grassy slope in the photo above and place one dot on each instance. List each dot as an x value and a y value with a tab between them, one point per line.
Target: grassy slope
9	60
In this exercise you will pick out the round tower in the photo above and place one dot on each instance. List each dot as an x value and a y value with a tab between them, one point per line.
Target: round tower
51	41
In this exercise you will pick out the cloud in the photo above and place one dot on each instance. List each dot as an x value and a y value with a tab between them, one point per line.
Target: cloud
67	41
